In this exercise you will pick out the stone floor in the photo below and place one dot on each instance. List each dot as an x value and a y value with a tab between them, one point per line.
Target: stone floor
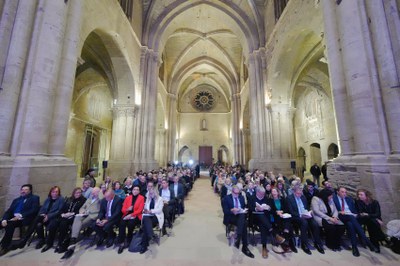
198	238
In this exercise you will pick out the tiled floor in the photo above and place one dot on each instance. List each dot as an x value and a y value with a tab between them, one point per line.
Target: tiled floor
198	238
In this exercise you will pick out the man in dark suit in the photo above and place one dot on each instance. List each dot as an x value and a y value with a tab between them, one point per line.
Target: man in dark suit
21	212
234	213
348	215
168	195
109	216
179	194
298	208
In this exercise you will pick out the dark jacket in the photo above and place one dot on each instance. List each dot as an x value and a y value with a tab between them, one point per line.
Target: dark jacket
228	204
29	209
181	192
349	201
292	205
73	205
55	209
116	208
373	209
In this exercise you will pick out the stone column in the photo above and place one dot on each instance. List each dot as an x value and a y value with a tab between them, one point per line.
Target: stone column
146	127
40	80
257	66
364	77
13	63
171	131
236	130
66	79
31	77
122	147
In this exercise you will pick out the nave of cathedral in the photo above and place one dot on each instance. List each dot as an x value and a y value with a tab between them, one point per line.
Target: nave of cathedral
121	86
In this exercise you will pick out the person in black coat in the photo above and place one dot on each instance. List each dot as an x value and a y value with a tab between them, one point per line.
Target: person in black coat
369	214
316	173
282	225
109	216
70	209
21	212
233	206
48	215
310	191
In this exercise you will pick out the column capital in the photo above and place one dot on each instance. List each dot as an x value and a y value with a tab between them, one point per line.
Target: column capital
124	110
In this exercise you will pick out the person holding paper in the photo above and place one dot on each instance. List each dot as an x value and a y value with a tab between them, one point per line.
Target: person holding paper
234	209
260	213
348	215
301	216
326	215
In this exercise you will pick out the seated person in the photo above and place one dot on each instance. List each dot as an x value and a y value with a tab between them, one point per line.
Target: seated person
226	189
86	188
21	212
70	208
48	215
132	209
142	183
87	216
128	186
301	216
109	216
152	214
260	214
370	215
348	215
326	215
179	194
310	191
233	206
168	196
281	223
118	190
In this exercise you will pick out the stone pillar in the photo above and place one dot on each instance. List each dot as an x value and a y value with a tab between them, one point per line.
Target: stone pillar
122	145
40	80
236	130
66	79
171	131
15	32
146	127
32	74
364	76
257	67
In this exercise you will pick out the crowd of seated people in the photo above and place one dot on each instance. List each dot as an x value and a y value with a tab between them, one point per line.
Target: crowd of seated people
139	202
281	208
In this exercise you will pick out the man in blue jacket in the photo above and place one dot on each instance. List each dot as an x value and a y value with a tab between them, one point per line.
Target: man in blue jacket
21	212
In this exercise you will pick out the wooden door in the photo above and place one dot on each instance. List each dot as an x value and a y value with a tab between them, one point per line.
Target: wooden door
205	156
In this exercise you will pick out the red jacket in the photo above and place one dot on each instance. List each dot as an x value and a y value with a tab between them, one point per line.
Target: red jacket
137	208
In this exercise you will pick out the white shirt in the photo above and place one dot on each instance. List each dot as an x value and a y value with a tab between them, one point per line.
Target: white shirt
166	194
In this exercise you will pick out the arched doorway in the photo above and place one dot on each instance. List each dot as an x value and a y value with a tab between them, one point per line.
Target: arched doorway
333	151
315	154
184	155
223	154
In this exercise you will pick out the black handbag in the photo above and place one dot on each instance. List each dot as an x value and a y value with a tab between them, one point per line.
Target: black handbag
136	243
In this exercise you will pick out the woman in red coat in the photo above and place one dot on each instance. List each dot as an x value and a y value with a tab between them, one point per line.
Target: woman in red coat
132	209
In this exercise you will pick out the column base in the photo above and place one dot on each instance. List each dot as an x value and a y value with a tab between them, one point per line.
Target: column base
41	171
376	173
271	164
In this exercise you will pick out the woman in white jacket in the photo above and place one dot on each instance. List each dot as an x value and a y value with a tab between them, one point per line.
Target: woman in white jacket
152	214
326	215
